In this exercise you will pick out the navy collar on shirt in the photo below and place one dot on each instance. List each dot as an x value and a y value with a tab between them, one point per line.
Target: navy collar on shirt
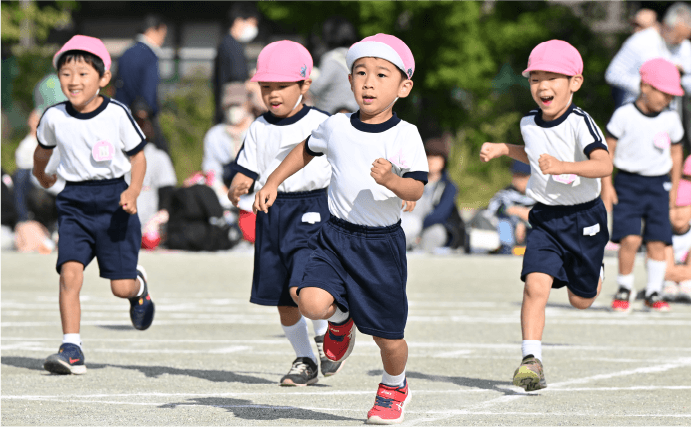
378	128
277	121
85	116
556	122
651	115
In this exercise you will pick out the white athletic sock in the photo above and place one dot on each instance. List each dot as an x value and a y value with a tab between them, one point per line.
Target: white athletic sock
141	286
320	326
393	380
339	316
299	339
656	276
533	347
625	281
72	339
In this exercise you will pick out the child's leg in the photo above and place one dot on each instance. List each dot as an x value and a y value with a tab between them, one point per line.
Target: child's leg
583	303
304	368
126	288
656	267
142	308
628	246
316	303
319	325
394	355
535	296
71	279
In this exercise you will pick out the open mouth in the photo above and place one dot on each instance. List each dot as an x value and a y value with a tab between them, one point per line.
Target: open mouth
546	100
368	99
275	105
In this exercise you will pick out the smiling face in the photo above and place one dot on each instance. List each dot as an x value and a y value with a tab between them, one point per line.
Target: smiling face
552	92
280	97
80	83
376	83
652	100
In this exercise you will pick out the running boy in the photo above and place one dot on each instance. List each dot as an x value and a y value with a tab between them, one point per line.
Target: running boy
567	156
99	143
357	273
280	249
644	138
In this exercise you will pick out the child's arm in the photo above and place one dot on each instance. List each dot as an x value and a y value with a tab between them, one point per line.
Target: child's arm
597	166
405	188
41	158
297	159
128	198
608	194
239	186
677	160
492	150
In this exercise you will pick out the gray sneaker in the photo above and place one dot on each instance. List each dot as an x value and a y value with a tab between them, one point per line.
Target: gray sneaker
303	372
530	374
328	367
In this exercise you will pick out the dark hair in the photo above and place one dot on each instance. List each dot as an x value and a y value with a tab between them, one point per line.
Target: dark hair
88	57
242	10
154	21
338	32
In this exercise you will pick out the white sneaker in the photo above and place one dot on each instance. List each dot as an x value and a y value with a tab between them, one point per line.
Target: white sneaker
670	290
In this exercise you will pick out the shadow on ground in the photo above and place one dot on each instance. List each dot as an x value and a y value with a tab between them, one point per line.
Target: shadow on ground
246	409
149	371
500	386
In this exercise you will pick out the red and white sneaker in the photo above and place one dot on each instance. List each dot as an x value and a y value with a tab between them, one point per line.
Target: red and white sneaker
339	340
655	303
389	404
622	300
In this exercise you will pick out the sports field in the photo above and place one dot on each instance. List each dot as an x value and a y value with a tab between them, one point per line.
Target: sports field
212	358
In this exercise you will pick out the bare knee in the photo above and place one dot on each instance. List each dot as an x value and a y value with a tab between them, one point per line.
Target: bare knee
582	303
124	288
71	277
315	303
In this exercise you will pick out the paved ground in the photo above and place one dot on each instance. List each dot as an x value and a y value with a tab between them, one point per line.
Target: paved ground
211	358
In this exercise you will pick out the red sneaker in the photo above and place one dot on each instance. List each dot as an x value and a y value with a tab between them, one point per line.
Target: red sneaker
339	340
389	404
622	300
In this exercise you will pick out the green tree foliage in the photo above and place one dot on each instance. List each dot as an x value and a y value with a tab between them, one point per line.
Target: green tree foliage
468	56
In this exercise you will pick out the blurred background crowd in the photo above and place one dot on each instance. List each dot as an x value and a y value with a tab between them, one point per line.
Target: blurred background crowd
183	68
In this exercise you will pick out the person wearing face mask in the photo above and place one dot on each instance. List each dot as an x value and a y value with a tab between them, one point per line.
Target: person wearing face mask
138	73
223	141
230	65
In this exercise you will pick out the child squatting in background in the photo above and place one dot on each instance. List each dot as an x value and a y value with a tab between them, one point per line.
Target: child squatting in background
357	274
568	156
99	142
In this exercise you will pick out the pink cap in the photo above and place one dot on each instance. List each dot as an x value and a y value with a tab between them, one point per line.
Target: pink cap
87	44
283	61
662	75
555	56
383	46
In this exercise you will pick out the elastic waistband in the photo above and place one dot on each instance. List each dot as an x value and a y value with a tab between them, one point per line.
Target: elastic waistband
300	194
638	175
109	181
364	229
573	208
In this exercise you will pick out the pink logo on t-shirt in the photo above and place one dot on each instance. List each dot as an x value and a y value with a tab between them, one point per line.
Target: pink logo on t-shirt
566	178
397	160
662	140
103	151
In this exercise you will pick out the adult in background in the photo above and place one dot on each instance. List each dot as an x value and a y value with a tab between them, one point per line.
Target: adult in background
230	65
644	19
670	41
331	89
138	73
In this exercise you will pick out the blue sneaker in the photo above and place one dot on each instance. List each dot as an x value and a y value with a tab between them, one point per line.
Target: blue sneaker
68	360
141	307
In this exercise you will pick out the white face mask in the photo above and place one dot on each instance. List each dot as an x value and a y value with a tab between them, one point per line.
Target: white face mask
248	34
235	115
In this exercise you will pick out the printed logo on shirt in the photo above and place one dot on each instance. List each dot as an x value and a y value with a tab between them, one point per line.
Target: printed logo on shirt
566	178
398	161
662	140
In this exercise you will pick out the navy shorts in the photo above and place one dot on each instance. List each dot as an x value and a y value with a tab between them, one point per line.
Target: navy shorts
642	198
91	224
568	243
365	270
281	249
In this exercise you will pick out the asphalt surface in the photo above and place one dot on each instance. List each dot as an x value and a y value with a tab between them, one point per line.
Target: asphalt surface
212	358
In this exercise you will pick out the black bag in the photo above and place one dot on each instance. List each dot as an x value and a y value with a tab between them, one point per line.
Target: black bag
197	221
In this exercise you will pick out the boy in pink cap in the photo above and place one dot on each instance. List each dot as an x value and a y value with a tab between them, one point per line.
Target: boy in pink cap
99	143
645	141
567	156
357	274
280	249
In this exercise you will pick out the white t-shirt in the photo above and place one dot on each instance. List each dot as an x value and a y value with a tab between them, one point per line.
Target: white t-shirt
570	138
94	145
159	173
351	147
643	141
268	142
220	148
